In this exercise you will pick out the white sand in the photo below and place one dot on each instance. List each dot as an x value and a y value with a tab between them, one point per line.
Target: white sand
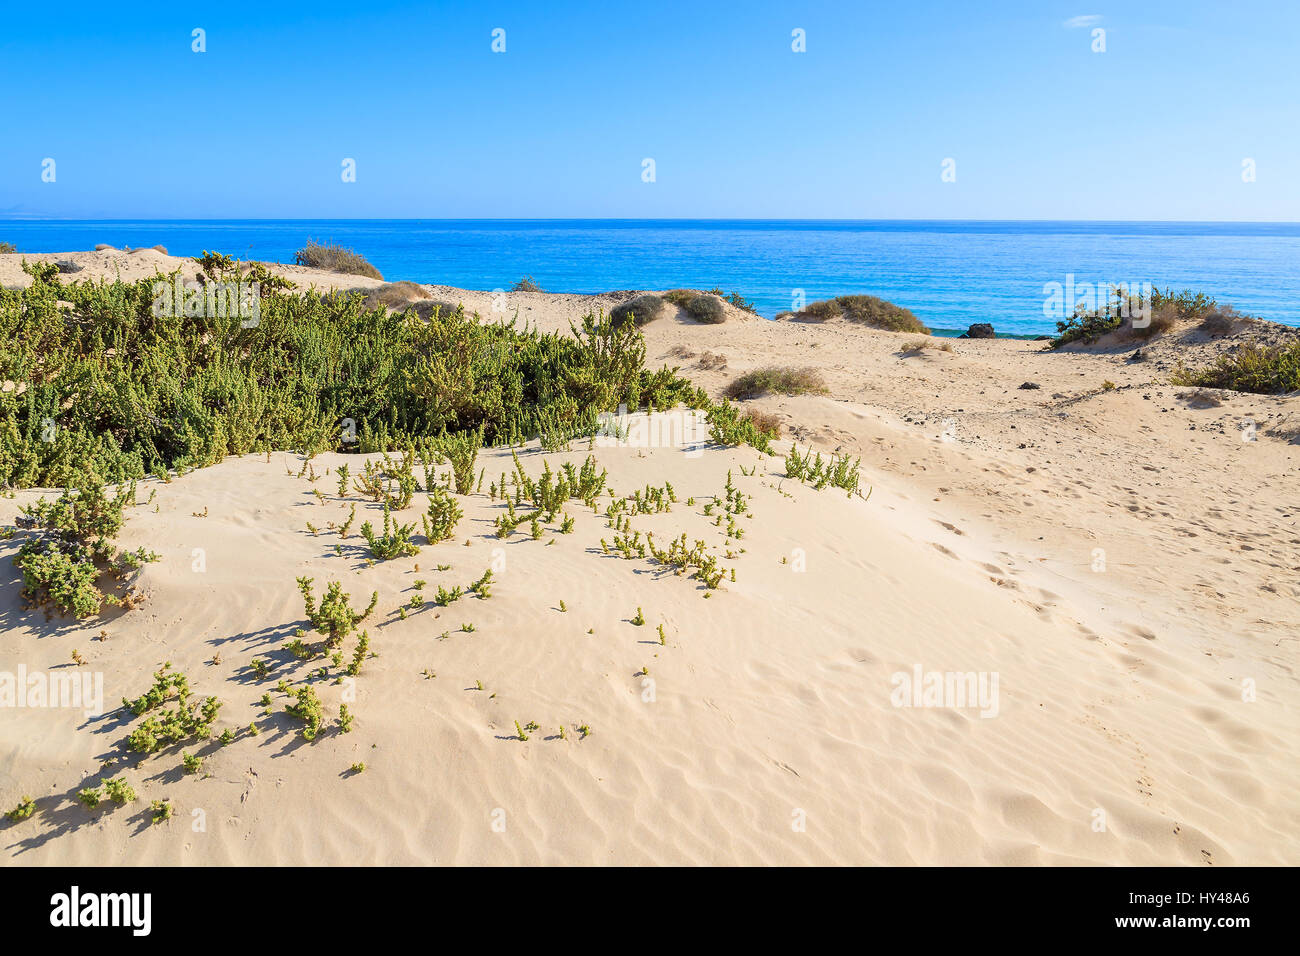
1120	690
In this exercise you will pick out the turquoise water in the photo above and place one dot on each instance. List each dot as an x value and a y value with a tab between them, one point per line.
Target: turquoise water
949	273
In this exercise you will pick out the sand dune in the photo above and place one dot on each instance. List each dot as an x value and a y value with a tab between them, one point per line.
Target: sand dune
1118	559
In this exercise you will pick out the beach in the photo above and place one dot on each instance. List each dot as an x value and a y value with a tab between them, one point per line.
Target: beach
1104	567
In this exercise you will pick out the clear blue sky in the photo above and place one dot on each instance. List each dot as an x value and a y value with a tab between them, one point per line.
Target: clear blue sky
739	126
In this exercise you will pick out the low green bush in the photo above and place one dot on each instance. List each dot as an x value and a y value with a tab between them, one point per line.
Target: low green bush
103	386
1262	369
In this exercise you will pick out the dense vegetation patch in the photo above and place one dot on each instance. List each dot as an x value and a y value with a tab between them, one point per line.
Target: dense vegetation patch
334	258
1117	314
69	552
94	382
1263	369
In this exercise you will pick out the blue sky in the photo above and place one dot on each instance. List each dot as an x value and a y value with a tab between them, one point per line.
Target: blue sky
739	126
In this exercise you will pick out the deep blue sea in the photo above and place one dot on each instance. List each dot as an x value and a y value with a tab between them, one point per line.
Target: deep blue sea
949	273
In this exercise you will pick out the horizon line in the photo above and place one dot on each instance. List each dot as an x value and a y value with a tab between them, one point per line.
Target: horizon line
1258	222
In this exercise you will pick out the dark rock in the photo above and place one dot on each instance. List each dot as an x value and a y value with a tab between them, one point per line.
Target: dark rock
67	265
1029	385
1042	338
980	330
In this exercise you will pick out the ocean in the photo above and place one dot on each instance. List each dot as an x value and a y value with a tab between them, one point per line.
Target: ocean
951	274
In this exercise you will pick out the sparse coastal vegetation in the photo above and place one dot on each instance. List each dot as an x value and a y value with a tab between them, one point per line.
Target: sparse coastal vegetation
483	433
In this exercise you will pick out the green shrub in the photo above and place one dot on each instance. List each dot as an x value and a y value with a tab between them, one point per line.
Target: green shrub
640	310
787	381
707	308
26	807
334	258
69	548
1262	369
119	791
840	472
1116	315
526	284
189	718
440	521
307	708
7	248
461	449
134	396
728	427
395	542
334	617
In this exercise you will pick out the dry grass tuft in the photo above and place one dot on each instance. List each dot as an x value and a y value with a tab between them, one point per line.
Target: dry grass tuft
712	360
707	308
787	381
916	346
865	309
642	309
395	295
334	258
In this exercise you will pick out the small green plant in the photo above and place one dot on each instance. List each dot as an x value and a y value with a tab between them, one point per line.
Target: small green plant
395	542
359	654
334	617
192	763
119	791
639	619
345	719
483	586
307	708
442	516
90	797
444	598
26	807
260	668
358	767
161	810
519	732
840	472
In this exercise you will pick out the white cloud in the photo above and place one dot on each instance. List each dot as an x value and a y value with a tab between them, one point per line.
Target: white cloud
1087	20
